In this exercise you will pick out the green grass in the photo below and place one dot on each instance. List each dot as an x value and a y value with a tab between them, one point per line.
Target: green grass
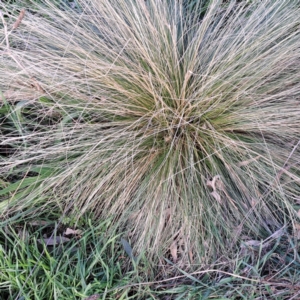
85	265
93	263
178	121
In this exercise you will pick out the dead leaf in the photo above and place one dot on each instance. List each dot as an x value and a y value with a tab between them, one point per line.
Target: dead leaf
93	297
54	241
277	234
253	202
297	231
265	243
212	182
168	139
40	223
216	196
173	250
70	231
191	257
246	162
36	85
19	20
252	243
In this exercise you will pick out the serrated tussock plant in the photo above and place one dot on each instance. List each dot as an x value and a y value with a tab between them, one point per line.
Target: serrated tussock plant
182	124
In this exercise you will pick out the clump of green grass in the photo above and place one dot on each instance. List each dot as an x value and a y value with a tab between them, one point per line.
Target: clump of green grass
182	126
76	267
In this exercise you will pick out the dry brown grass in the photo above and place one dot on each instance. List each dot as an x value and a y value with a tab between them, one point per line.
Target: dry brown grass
185	131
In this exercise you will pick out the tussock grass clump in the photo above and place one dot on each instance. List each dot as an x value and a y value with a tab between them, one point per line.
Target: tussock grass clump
182	124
